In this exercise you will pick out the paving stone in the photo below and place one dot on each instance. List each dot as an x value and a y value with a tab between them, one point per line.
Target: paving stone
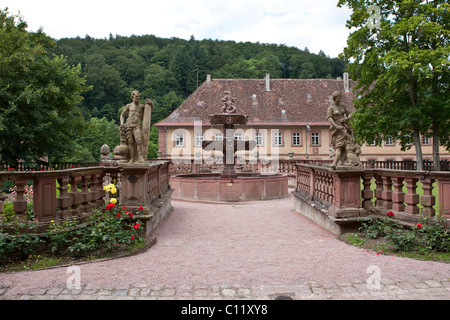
134	292
39	291
243	292
167	292
145	292
433	283
121	293
229	292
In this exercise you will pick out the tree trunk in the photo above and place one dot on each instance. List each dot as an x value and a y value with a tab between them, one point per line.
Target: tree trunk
418	146
436	157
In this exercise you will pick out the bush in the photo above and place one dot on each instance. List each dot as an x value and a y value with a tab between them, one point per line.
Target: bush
106	230
429	235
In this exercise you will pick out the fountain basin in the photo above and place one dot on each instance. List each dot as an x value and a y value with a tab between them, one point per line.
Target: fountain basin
212	187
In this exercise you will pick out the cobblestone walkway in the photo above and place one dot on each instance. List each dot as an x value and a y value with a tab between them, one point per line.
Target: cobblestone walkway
422	290
246	251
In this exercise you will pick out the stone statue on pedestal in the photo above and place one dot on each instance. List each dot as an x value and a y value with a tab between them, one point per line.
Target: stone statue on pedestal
344	144
135	130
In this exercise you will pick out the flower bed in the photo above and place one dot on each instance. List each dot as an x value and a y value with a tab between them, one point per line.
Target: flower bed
427	239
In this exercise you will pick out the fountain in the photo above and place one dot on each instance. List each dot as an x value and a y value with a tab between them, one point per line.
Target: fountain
229	185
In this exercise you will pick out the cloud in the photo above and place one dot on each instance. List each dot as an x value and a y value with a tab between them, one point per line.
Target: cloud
318	25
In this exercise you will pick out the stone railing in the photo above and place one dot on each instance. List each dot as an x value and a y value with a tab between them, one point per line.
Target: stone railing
58	194
404	165
409	191
182	166
338	198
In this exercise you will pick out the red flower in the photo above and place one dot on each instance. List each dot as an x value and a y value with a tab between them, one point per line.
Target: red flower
132	238
136	226
419	225
390	214
110	206
140	208
124	208
130	214
118	215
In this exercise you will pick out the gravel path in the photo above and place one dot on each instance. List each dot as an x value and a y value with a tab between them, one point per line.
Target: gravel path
254	250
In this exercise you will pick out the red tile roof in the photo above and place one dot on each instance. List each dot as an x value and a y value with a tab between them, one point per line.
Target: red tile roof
304	101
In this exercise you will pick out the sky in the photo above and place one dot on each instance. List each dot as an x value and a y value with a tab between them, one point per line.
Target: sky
315	24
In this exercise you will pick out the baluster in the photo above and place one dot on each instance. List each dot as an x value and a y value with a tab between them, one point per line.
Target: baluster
85	195
74	194
398	195
427	200
64	201
2	196
379	191
386	194
20	204
411	197
367	193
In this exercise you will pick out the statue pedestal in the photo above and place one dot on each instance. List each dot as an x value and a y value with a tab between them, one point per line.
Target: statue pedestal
134	190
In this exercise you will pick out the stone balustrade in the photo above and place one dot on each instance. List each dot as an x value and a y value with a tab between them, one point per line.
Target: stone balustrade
58	194
337	199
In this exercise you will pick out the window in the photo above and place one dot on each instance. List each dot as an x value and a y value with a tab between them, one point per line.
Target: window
425	141
296	139
179	140
278	139
238	136
198	139
389	141
259	139
218	136
315	141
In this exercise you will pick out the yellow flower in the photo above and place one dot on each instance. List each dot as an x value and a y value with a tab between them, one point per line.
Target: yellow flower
113	190
52	221
113	200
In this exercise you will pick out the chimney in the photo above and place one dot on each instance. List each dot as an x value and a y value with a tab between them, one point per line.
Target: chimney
208	78
346	89
267	81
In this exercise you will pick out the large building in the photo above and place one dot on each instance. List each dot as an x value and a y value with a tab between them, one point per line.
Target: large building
286	117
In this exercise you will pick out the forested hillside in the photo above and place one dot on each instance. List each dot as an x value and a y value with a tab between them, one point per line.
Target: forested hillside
168	70
62	98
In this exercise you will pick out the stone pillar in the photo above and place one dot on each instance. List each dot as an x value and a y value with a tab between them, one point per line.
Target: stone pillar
134	192
44	199
347	193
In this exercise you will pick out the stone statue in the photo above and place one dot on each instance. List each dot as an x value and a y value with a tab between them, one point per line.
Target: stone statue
135	129
342	140
228	103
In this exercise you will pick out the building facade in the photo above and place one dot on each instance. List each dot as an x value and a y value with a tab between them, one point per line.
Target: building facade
286	117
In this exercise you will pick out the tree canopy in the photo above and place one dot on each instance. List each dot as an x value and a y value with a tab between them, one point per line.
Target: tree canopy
39	95
174	67
399	55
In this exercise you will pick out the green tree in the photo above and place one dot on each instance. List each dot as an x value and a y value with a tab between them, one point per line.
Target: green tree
402	68
98	132
39	95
